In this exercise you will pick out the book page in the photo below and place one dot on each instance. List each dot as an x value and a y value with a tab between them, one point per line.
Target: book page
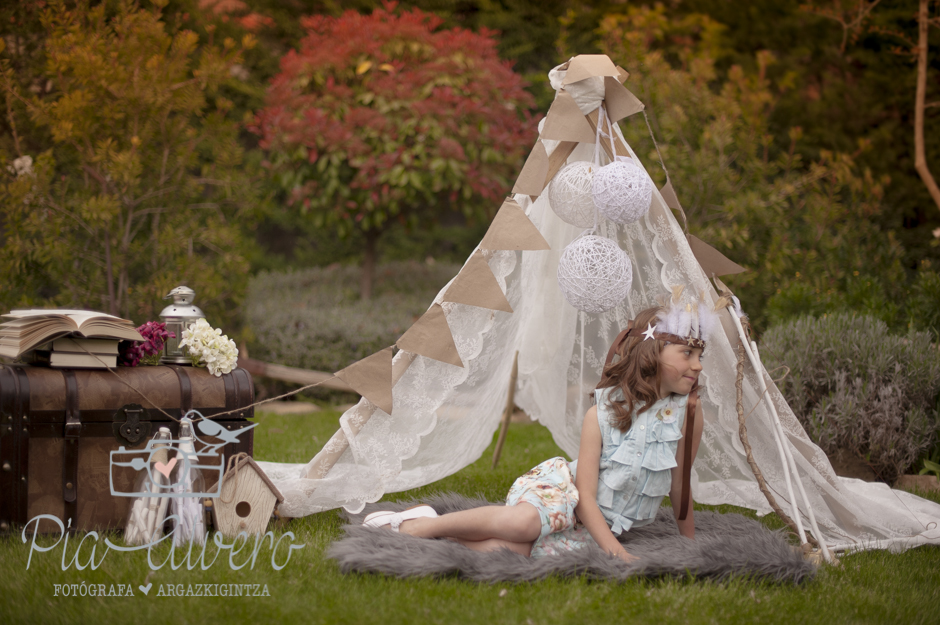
35	326
78	316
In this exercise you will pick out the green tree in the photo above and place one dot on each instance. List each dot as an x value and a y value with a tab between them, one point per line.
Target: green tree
386	117
142	185
811	226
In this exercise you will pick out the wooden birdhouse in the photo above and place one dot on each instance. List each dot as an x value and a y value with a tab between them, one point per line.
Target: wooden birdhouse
246	500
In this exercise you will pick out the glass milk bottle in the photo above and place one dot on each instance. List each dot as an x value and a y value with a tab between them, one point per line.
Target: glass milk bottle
189	522
148	509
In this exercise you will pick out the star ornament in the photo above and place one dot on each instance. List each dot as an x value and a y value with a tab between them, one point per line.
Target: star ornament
650	331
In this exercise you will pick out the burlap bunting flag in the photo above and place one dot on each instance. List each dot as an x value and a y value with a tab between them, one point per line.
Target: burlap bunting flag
565	121
531	179
430	336
371	377
621	102
713	262
512	230
588	65
476	285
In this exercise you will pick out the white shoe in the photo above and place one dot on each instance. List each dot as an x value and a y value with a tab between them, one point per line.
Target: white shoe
378	519
395	519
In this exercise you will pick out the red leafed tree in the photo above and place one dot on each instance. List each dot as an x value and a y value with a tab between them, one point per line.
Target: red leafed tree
387	117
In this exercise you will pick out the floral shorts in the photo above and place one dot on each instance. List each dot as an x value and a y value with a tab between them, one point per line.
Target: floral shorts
550	488
568	539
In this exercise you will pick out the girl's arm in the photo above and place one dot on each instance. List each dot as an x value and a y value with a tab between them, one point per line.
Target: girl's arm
686	527
589	460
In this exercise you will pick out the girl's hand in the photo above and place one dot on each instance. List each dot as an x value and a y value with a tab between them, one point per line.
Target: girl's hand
626	557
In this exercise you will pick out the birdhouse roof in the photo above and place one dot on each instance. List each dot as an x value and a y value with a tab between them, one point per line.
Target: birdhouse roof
247	461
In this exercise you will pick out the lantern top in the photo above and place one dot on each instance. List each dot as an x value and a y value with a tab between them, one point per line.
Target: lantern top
182	305
182	295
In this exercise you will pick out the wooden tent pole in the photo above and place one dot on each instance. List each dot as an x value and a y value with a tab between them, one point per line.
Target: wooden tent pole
783	451
742	434
507	412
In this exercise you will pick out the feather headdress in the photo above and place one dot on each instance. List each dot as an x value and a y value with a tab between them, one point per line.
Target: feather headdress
684	322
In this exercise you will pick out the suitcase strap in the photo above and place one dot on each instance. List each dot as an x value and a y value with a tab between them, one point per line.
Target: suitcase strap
73	430
186	389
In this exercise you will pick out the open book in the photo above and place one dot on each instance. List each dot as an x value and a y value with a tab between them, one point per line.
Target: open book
24	330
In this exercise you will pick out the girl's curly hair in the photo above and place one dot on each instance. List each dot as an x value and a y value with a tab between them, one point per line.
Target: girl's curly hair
636	373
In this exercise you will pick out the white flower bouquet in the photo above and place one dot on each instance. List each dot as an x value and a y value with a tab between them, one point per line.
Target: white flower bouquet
208	347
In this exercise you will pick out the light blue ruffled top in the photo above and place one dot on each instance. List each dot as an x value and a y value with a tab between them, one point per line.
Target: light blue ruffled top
636	466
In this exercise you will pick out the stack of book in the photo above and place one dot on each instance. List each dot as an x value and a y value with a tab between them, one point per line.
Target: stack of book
64	338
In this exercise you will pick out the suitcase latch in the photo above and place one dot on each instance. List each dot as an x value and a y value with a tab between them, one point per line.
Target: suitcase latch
73	427
130	424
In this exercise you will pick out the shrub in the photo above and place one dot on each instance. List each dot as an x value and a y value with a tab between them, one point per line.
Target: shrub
902	301
856	387
924	305
314	318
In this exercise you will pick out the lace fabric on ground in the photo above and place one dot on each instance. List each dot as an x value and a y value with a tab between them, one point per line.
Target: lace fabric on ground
444	416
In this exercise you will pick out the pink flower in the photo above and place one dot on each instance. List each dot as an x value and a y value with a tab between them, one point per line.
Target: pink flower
131	353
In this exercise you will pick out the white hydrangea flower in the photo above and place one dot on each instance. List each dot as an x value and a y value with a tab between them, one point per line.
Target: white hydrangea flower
209	348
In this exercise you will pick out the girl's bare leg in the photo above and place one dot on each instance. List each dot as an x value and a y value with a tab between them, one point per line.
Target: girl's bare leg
495	544
510	524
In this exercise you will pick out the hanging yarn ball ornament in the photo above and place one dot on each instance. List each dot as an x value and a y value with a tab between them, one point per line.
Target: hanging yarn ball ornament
622	192
571	194
594	274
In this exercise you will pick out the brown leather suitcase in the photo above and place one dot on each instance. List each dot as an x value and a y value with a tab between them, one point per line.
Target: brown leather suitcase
58	428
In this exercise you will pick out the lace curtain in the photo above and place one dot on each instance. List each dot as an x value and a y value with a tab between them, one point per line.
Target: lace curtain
444	416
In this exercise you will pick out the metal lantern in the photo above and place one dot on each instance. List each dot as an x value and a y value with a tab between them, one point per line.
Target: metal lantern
178	316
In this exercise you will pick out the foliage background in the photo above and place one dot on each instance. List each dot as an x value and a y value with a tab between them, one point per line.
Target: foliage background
791	152
789	141
388	119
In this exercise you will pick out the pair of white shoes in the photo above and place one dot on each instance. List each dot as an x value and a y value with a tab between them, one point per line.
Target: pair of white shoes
395	519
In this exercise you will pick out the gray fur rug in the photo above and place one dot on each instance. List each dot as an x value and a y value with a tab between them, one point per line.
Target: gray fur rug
725	545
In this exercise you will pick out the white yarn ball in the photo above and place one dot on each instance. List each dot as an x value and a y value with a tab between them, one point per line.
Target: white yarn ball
594	274
571	194
622	192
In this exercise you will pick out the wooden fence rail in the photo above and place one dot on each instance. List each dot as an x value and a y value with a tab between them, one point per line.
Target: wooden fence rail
293	375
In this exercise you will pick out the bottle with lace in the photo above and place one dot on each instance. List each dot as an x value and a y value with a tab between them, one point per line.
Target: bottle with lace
148	508
188	513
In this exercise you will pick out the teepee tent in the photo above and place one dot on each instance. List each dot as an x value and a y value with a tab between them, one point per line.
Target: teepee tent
432	408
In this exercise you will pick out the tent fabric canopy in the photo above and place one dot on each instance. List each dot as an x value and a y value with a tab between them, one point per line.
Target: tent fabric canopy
443	416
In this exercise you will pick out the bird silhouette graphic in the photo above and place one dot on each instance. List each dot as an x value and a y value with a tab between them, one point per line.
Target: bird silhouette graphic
210	428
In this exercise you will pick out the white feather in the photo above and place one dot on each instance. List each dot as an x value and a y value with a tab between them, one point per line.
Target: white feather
707	320
684	323
671	321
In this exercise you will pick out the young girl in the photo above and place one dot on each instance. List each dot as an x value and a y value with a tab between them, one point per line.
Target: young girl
632	454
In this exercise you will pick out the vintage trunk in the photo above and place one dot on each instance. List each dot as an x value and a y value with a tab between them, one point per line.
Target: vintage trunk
58	428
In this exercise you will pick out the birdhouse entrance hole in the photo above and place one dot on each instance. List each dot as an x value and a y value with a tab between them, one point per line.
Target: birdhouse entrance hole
243	509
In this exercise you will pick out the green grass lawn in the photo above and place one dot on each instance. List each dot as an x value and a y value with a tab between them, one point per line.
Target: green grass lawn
873	587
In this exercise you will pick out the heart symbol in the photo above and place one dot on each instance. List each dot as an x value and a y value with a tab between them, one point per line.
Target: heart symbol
165	468
146	589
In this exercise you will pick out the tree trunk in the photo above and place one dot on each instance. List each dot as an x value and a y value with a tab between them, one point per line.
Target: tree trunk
368	265
920	158
109	274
